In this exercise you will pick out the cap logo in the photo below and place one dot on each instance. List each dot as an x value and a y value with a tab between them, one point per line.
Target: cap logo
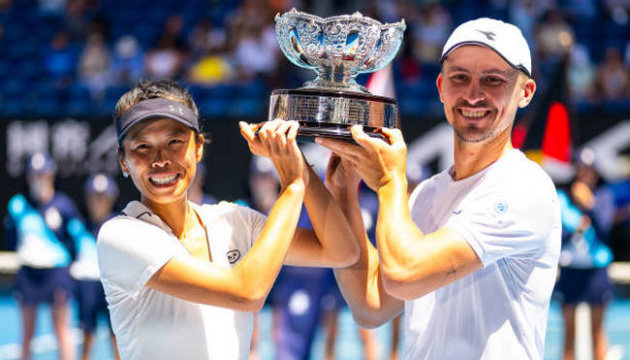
488	34
176	109
156	108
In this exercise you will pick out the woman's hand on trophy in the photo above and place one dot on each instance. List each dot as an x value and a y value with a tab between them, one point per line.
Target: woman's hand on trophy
378	162
276	139
255	142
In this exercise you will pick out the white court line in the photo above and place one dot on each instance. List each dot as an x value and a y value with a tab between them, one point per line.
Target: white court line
584	338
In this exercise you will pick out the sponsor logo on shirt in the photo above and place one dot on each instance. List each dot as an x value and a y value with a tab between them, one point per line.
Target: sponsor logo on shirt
501	207
457	212
233	256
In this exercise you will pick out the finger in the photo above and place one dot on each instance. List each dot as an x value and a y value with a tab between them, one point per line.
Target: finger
361	138
394	135
246	131
341	148
293	130
294	126
282	131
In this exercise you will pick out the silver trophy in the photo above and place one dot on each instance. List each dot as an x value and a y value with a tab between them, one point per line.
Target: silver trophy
338	48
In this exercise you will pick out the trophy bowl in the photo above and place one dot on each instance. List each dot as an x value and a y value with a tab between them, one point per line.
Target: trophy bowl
337	48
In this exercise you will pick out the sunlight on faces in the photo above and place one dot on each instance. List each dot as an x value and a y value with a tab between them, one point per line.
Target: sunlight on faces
161	155
481	93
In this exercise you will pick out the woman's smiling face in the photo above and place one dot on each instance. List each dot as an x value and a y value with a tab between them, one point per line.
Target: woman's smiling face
161	156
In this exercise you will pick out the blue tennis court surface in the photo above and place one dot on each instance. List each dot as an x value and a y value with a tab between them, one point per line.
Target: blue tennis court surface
348	344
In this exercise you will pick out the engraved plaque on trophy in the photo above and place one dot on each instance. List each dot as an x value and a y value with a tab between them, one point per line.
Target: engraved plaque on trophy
337	48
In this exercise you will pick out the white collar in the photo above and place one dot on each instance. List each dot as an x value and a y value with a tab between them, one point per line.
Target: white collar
140	211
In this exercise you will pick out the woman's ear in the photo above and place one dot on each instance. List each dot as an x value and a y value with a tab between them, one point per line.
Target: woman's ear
199	149
122	163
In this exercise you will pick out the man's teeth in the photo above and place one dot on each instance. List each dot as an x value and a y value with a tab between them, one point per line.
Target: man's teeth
161	180
474	114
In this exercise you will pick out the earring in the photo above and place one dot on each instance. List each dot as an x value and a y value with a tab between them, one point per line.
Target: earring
125	175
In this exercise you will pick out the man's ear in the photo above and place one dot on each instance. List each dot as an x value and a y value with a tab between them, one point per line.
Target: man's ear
438	84
527	93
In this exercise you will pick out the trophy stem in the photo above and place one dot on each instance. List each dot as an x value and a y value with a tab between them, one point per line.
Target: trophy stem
340	77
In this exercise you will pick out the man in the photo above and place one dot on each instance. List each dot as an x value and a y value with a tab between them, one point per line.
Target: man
472	255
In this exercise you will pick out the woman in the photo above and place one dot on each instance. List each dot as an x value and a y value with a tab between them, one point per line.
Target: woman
183	281
588	212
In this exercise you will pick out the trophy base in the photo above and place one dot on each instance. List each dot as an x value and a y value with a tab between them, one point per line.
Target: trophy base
308	133
331	113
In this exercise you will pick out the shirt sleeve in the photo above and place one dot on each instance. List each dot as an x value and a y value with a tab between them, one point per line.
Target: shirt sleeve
256	221
131	251
507	224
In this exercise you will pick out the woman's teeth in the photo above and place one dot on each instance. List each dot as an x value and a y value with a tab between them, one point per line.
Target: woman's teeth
162	180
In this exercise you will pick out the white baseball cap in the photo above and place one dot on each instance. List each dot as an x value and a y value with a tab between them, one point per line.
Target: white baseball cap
505	39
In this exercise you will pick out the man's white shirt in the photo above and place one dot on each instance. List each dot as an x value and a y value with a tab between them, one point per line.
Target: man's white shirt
510	216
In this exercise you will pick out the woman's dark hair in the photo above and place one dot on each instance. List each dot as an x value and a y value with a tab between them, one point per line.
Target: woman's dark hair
146	90
165	88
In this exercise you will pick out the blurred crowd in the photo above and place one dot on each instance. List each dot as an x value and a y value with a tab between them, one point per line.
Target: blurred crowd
78	56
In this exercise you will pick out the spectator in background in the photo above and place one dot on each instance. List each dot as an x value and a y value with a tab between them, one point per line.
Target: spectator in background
580	75
196	193
210	62
554	36
612	83
432	27
168	58
580	11
211	69
51	7
36	226
252	40
617	10
94	65
588	212
257	53
76	20
101	193
60	60
621	231
206	38
525	14
127	64
164	61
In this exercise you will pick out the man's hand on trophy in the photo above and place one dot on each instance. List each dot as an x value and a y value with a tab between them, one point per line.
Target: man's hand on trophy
375	160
